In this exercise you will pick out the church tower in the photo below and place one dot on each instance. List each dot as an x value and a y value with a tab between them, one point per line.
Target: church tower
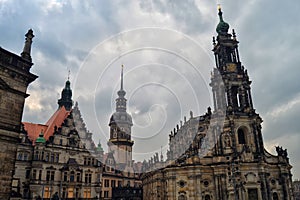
232	92
66	97
230	85
120	124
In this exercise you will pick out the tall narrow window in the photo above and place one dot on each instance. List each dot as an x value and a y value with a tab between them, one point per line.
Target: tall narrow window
241	137
25	156
65	176
78	177
275	196
52	175
77	192
47	157
106	183
36	155
207	197
34	174
48	176
52	157
20	155
64	192
40	175
88	178
113	183
57	158
72	176
252	194
27	173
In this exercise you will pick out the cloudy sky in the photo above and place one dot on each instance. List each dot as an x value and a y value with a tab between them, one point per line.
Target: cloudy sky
165	47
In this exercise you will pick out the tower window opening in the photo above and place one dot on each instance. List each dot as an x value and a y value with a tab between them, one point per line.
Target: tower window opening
241	137
235	96
207	197
238	100
275	196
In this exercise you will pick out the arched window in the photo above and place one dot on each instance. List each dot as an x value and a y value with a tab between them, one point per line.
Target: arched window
36	155
72	174
20	156
275	196
182	197
207	197
241	137
65	176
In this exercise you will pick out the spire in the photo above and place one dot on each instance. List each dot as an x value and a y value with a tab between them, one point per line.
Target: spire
121	100
122	77
222	28
27	47
66	97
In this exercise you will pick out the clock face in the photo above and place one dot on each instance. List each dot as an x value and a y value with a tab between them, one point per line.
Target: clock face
231	67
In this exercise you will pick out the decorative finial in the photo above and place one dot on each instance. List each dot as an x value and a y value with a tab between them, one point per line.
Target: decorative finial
233	34
214	41
220	13
222	27
191	114
27	47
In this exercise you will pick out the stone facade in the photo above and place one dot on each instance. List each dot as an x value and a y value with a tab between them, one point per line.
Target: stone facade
62	162
15	77
296	186
220	155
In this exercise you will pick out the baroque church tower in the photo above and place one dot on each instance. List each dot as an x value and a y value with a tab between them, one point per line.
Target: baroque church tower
120	143
232	95
221	155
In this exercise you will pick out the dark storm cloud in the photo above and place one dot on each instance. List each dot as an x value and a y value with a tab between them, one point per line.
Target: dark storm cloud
66	31
185	13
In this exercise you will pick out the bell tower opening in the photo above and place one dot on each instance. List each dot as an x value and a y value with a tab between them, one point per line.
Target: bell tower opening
241	136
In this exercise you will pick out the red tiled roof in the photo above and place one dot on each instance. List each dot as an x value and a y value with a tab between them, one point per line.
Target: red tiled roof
57	119
34	130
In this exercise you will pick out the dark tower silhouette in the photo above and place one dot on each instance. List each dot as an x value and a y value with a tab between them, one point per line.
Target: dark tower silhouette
66	97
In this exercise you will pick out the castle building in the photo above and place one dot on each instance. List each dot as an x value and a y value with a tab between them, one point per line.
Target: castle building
121	176
15	77
58	159
221	155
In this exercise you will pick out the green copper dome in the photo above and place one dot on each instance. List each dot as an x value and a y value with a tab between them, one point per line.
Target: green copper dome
41	138
222	27
99	147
